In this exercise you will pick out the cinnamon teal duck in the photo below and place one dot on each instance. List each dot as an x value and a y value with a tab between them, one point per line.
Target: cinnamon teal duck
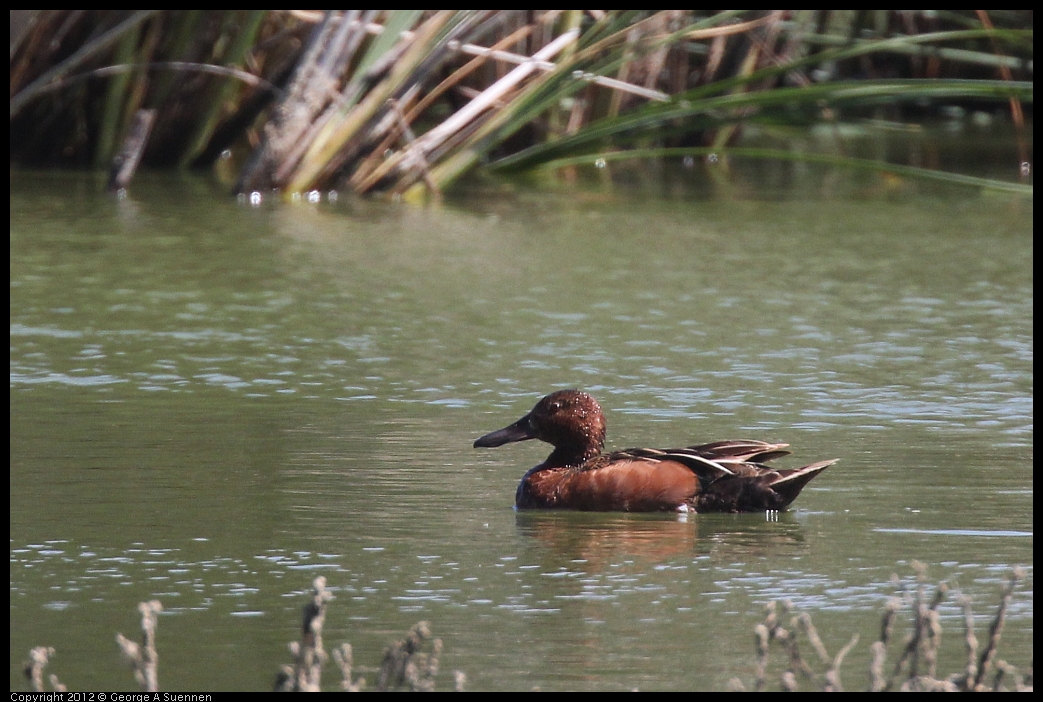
725	476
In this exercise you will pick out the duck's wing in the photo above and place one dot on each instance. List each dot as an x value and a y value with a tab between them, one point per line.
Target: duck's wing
706	468
744	450
718	453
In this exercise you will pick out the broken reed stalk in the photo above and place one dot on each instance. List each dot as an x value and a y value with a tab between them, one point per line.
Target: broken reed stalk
39	657
144	659
995	630
305	675
833	683
372	168
343	657
126	162
406	663
547	66
919	653
416	153
925	639
877	681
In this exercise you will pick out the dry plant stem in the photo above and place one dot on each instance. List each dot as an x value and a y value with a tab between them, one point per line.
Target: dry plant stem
932	642
1004	669
803	621
339	134
313	87
877	681
466	70
342	655
970	641
144	658
996	629
894	604
788	640
309	655
763	639
923	643
796	660
1016	113
93	48
878	656
38	659
1001	670
433	138
405	665
125	164
912	647
410	137
833	683
376	166
542	64
927	636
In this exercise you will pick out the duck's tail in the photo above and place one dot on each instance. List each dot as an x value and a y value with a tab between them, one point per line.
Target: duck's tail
791	482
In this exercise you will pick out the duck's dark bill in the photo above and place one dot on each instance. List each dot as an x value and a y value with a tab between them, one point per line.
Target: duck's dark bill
519	431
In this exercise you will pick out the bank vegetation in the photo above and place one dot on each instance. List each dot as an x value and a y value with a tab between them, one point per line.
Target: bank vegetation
406	102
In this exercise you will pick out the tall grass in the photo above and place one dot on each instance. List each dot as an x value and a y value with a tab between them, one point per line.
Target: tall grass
407	102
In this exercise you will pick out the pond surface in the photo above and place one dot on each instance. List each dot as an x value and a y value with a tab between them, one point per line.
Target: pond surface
212	404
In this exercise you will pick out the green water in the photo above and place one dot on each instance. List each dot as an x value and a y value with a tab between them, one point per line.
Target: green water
212	404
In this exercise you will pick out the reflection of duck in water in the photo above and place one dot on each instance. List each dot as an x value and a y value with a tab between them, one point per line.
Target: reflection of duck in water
604	540
725	476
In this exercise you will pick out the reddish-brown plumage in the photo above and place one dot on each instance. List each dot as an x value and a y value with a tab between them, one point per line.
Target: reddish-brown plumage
724	476
627	485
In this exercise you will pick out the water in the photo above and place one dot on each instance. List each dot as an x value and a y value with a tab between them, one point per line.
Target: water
213	404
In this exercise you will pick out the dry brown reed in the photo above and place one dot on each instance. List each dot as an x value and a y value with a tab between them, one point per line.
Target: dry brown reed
143	658
410	664
305	675
408	101
915	669
413	662
39	657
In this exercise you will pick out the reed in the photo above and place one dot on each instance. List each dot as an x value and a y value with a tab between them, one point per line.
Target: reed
407	102
915	668
410	664
39	657
144	658
413	662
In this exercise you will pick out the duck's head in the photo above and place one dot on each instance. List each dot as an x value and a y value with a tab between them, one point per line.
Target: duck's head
569	420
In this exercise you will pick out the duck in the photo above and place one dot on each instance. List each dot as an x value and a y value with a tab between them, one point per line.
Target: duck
723	476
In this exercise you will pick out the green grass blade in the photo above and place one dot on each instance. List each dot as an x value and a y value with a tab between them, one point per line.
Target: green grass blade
722	109
785	155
